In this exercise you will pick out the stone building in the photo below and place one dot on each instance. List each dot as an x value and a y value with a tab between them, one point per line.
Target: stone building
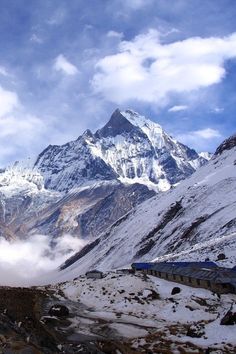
94	274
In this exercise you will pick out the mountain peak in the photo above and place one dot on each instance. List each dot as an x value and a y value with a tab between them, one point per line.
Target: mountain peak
117	125
139	120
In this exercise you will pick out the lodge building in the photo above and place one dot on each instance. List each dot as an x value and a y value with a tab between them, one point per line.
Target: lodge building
197	274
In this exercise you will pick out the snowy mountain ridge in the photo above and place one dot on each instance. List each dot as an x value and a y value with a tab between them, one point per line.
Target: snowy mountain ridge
129	147
18	177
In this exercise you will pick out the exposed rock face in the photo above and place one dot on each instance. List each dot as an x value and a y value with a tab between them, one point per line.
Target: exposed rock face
226	145
89	211
229	319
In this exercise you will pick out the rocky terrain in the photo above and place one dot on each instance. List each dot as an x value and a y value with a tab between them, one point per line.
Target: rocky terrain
133	313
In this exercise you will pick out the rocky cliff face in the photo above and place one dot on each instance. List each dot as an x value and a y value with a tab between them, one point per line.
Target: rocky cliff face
26	207
129	147
226	145
87	212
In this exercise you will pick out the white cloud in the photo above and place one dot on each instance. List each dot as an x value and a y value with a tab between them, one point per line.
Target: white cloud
22	262
114	34
201	139
8	101
177	108
21	135
36	39
169	32
144	69
218	110
135	4
3	71
22	128
192	136
207	133
63	65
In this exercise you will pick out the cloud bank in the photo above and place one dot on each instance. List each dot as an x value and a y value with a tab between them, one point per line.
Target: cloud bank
146	70
24	262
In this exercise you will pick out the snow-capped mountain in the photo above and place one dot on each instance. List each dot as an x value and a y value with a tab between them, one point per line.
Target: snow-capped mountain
129	147
196	220
81	187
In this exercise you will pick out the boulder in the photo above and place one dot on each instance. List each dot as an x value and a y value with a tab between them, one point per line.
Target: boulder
221	256
229	318
195	331
59	311
175	290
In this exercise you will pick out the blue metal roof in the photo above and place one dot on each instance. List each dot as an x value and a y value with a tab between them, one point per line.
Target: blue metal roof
196	270
207	264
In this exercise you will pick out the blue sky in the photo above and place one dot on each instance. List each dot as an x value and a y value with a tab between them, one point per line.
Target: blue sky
65	66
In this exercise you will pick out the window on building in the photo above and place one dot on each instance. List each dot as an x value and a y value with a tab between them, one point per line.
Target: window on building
208	283
198	282
190	280
181	278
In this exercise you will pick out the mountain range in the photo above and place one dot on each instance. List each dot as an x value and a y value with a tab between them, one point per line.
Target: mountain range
86	185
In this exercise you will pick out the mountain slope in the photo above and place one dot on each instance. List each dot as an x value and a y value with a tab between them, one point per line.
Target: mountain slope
129	147
87	211
191	221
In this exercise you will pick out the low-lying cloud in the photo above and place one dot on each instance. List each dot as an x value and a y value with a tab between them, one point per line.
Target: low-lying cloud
24	262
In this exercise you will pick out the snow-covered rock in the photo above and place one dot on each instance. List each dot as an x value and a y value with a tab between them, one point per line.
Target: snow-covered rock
206	155
120	306
129	147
